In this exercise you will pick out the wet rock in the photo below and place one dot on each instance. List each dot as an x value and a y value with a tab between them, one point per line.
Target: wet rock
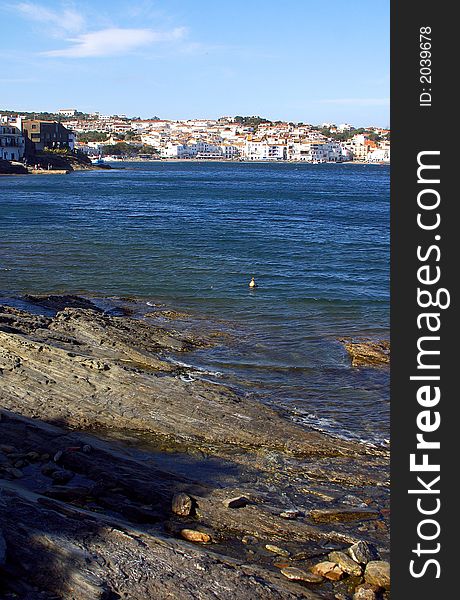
362	552
15	473
62	476
347	564
238	502
2	549
57	457
195	536
7	449
48	469
367	353
86	449
378	573
33	456
182	505
353	501
54	302
277	550
300	575
329	570
366	591
249	539
290	514
327	515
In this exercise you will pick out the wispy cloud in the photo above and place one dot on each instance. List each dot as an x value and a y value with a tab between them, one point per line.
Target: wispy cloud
114	41
67	19
358	101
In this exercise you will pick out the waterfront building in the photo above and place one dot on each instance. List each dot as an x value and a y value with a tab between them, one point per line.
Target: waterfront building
12	142
42	135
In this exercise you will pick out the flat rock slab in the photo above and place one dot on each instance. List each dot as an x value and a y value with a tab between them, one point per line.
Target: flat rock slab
328	515
367	353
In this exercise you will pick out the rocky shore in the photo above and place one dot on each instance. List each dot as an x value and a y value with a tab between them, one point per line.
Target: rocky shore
50	164
123	477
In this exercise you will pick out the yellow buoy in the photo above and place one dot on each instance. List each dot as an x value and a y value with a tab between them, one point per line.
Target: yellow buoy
252	283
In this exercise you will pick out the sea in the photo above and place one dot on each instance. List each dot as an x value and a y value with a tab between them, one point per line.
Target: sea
188	237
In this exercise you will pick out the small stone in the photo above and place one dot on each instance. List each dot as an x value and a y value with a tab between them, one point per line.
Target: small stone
347	564
378	573
238	502
61	477
281	564
329	570
353	501
86	449
16	473
33	456
290	514
362	552
49	469
277	550
195	536
6	449
301	575
249	539
58	456
182	505
365	591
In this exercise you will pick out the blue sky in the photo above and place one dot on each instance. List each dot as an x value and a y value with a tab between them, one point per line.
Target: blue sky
299	60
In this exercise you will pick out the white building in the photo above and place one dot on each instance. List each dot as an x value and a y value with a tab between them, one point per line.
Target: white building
263	150
67	112
318	152
12	141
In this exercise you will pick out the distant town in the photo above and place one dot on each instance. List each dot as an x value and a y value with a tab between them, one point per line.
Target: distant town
118	137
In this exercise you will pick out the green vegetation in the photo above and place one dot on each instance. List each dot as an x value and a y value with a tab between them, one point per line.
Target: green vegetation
124	149
92	136
253	121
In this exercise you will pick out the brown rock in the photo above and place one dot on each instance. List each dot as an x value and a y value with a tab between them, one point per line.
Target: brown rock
277	550
195	536
300	575
326	515
345	563
329	570
366	591
378	573
182	505
367	352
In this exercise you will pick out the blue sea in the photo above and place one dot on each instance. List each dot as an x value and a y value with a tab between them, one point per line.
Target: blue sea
189	236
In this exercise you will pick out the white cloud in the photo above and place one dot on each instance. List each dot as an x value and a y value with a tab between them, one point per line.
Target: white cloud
114	41
67	19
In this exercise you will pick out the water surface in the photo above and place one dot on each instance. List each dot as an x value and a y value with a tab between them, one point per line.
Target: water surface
191	235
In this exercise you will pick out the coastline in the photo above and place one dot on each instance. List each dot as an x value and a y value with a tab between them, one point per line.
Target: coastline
88	378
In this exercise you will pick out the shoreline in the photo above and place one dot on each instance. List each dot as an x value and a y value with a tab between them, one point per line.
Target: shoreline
112	165
80	377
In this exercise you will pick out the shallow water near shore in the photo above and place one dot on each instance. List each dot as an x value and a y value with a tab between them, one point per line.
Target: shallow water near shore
190	235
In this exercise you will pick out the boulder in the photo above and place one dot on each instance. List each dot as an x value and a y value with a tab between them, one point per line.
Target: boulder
347	564
329	570
182	505
362	552
378	573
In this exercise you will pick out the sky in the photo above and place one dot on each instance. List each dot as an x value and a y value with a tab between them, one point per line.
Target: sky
294	60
